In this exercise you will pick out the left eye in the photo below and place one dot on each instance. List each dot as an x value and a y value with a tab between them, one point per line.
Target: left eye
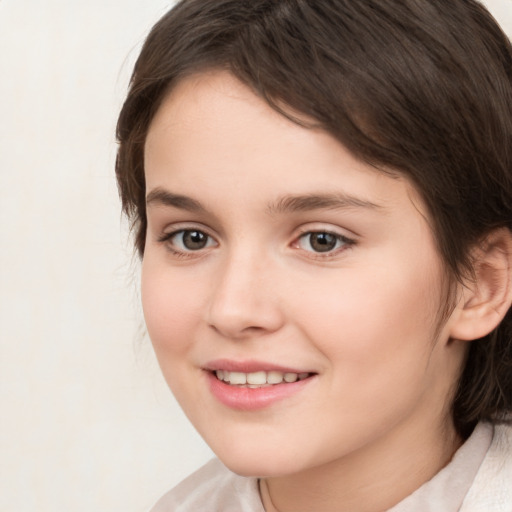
321	241
190	240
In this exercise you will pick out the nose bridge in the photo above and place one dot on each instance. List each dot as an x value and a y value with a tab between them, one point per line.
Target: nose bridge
244	301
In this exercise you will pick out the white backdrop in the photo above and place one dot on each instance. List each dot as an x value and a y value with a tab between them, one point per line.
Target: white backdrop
86	422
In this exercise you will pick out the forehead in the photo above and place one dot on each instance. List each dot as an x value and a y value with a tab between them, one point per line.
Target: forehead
212	127
218	103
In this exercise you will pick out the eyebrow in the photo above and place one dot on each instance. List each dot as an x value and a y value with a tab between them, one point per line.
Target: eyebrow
285	204
161	197
331	201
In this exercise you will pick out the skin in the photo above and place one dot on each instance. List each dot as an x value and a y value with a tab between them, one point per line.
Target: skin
373	424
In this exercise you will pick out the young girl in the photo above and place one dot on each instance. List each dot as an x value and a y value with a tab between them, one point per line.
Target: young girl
321	194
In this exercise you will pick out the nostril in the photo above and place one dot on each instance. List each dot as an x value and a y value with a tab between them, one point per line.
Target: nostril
238	328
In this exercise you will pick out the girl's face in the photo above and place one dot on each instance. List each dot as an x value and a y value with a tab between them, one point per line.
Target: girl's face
309	280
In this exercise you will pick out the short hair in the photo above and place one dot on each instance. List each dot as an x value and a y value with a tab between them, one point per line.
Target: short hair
422	88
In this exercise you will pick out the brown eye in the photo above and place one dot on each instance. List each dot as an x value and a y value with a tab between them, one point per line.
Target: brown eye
194	240
187	240
322	242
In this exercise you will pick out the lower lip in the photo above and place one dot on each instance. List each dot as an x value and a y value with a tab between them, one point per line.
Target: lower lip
252	399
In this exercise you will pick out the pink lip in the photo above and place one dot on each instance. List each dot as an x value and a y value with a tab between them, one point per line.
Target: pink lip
251	399
249	366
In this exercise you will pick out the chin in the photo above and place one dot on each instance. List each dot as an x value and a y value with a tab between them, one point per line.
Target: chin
256	468
258	462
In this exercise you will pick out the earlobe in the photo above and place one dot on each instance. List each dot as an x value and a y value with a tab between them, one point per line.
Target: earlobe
485	300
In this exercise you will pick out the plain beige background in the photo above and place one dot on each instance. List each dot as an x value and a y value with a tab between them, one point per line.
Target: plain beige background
86	422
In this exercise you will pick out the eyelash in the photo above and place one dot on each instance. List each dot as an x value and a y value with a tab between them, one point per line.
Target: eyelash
341	240
166	239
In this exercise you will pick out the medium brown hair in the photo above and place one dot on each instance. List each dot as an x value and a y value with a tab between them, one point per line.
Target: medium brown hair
421	87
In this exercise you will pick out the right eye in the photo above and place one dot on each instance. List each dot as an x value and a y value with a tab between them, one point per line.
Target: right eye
188	240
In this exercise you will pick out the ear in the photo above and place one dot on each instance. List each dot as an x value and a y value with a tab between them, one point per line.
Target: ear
484	301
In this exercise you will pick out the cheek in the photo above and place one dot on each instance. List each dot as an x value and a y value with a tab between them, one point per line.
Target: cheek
375	321
171	307
376	335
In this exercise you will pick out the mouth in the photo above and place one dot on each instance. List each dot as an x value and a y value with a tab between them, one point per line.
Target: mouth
249	387
259	379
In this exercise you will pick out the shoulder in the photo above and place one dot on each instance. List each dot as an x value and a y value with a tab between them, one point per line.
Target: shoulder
492	488
214	488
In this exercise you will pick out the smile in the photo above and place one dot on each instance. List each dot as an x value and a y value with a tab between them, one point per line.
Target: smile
259	379
256	389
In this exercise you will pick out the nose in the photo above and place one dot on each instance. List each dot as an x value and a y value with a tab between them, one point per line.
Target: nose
244	302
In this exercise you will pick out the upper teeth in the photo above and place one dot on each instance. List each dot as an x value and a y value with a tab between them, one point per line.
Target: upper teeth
259	378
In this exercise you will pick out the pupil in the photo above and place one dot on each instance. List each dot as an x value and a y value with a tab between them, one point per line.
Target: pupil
194	240
323	242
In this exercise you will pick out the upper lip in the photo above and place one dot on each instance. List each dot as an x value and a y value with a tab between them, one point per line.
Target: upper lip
249	366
